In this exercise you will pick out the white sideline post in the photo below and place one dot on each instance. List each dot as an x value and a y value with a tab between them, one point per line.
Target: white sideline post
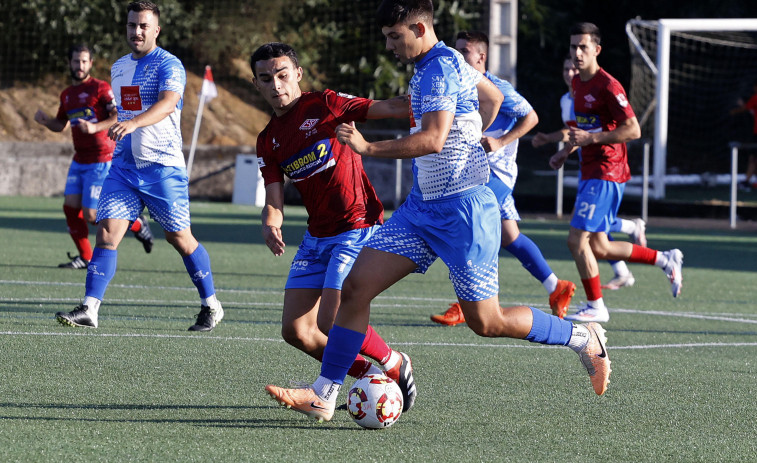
734	174
248	182
560	173
645	184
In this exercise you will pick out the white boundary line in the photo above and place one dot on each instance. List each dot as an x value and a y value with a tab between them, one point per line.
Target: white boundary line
422	344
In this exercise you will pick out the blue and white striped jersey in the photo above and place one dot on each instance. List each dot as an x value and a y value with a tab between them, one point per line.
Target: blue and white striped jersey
503	161
443	81
136	85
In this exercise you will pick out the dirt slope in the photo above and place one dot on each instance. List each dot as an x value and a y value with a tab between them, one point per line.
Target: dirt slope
227	120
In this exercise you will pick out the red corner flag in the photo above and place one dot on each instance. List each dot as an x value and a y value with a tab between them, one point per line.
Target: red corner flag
208	86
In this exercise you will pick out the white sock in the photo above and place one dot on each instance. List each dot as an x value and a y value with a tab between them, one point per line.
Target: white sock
326	389
579	337
598	304
627	226
394	357
92	304
211	301
550	284
620	268
374	370
662	260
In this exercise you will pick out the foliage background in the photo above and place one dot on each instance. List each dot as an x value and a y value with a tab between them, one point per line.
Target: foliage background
339	45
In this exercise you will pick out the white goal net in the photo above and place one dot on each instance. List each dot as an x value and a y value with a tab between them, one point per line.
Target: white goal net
686	76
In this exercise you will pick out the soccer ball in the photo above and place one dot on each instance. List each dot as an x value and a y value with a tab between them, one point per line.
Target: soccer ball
375	402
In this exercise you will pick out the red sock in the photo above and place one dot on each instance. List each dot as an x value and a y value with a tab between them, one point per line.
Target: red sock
593	288
375	347
136	226
359	367
79	231
640	255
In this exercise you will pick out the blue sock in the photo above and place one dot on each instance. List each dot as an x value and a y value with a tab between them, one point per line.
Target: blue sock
616	226
530	257
100	271
609	237
341	349
548	329
198	267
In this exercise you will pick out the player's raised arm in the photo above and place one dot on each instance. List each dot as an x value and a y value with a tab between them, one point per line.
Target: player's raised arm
52	123
396	108
430	139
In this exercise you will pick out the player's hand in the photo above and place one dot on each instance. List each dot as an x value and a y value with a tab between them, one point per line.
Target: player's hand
558	159
348	135
121	129
540	139
578	137
491	144
86	126
273	239
40	117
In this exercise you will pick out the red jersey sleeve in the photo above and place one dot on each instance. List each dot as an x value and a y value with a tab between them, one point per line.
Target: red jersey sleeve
346	108
617	102
62	114
268	165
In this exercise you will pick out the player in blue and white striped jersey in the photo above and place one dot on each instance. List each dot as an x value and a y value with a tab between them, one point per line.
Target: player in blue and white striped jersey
148	169
449	214
514	119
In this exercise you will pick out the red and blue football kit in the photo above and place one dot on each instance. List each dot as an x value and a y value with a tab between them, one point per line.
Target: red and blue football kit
92	101
302	145
600	105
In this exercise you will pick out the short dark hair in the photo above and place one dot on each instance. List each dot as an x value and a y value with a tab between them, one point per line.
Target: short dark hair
587	28
474	36
78	48
272	50
391	12
144	6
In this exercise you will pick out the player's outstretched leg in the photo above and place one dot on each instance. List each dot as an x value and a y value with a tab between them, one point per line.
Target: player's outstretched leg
208	318
673	270
559	299
639	233
453	316
80	316
76	262
142	233
303	400
402	374
595	358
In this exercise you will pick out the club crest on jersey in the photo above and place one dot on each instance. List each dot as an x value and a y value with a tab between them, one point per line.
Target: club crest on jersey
309	124
589	98
621	100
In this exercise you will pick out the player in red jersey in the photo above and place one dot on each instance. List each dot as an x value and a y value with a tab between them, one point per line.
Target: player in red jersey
605	121
343	209
751	170
88	106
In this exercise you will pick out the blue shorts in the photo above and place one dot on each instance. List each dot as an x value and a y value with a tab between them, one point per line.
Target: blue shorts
597	204
325	262
504	194
163	189
87	178
464	231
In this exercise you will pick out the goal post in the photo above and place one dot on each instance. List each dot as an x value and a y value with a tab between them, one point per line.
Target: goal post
666	28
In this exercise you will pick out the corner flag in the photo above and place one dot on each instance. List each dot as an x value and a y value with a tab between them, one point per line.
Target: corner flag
208	86
207	93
